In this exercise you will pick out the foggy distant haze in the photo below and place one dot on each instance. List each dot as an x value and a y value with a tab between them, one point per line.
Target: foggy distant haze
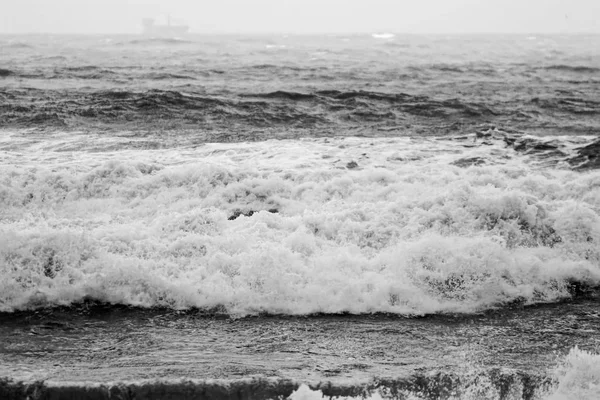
306	16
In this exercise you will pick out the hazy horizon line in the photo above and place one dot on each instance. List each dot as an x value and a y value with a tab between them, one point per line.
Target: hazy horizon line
351	33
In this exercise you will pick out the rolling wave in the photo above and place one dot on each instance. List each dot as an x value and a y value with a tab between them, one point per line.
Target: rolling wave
331	109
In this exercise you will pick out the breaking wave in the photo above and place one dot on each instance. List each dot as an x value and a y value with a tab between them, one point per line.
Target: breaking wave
298	227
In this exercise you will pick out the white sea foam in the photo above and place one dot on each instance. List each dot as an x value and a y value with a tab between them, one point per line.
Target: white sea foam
578	377
339	225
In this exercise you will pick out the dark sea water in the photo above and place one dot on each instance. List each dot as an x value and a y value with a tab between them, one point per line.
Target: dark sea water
317	85
294	175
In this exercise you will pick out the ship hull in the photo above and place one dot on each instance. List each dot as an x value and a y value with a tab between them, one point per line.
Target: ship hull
166	31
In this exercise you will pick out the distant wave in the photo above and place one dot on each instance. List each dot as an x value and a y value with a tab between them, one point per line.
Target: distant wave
481	69
53	58
165	76
448	68
419	105
84	72
99	73
462	68
83	68
572	105
284	68
281	94
17	45
397	45
264	66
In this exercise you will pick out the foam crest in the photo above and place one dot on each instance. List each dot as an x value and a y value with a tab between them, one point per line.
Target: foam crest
354	225
578	376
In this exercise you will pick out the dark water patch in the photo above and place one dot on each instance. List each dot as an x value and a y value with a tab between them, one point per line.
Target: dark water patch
52	119
84	72
583	82
82	68
530	145
5	73
396	45
165	76
263	66
362	94
157	41
42	119
17	45
448	68
116	94
418	105
573	68
445	108
285	68
550	152
305	69
572	105
459	69
281	94
469	162
587	157
54	58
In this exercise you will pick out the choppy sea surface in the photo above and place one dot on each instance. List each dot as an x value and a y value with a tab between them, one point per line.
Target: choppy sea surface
299	174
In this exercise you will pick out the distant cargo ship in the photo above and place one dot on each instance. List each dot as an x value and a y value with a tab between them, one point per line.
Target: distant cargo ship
169	29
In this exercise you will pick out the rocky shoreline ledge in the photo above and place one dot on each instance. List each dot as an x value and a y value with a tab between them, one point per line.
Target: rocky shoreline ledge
500	384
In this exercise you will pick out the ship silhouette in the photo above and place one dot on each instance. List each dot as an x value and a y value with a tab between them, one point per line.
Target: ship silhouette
170	29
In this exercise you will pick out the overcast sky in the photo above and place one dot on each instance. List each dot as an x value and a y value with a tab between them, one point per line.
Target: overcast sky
305	16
